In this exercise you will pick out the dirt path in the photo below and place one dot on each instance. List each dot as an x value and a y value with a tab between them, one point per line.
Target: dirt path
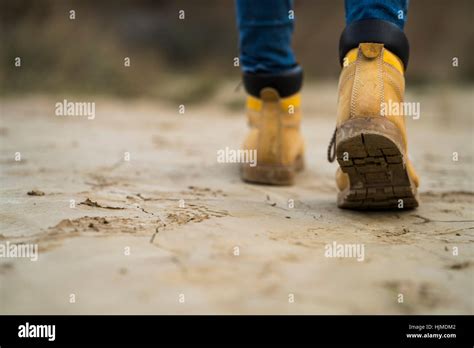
158	234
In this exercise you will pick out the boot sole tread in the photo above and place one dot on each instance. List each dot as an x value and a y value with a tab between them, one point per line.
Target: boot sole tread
378	178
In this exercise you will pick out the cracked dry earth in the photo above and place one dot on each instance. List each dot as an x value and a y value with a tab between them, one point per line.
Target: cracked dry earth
166	223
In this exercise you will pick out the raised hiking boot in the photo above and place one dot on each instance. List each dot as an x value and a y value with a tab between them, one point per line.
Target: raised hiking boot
370	143
274	117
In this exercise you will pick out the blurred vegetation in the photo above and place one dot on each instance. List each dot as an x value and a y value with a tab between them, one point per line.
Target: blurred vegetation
181	60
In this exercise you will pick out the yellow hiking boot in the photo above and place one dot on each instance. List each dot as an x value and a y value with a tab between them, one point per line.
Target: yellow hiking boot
274	128
370	142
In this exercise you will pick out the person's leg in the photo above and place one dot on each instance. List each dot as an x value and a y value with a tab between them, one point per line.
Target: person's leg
394	11
272	79
370	141
266	55
377	21
265	32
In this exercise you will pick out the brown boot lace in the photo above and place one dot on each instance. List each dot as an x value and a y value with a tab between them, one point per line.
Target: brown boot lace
332	147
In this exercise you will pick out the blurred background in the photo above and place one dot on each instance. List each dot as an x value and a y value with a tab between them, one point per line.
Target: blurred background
170	56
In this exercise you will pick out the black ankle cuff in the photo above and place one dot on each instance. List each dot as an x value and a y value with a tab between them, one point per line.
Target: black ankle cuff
377	31
286	83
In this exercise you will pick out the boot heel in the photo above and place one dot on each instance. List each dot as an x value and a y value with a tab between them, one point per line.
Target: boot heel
272	175
370	151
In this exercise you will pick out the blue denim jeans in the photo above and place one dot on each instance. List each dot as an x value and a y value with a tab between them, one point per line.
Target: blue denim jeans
266	28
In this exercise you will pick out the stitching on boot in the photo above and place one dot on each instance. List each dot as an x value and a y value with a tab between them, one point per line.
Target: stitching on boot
392	67
280	131
355	85
381	76
349	76
395	86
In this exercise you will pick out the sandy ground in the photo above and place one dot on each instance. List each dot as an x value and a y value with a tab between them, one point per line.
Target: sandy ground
128	247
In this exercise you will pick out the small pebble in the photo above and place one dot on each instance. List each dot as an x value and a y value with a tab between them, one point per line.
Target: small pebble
35	193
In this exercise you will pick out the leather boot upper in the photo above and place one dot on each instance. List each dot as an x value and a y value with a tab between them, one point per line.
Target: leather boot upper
274	128
371	75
